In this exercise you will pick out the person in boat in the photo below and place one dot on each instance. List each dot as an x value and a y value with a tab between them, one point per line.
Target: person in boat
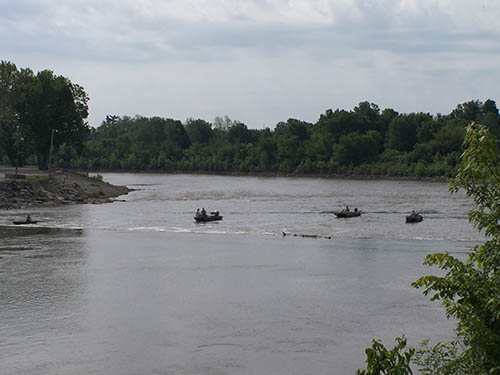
28	218
347	209
197	214
203	212
356	209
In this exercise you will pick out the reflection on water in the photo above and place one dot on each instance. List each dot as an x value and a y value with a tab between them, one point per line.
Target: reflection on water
137	287
7	232
40	286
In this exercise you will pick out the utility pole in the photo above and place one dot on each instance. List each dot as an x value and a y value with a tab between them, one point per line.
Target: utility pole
18	142
51	145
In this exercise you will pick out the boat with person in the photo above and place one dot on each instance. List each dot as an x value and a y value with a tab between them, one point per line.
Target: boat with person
27	221
414	217
346	212
23	222
202	216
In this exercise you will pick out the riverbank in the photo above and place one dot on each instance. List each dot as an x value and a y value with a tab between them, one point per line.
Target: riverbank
61	187
358	177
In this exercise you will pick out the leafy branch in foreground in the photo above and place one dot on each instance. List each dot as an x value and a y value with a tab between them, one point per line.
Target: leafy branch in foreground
440	358
470	290
395	361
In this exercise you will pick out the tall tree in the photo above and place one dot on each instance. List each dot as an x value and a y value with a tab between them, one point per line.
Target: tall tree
16	138
52	106
199	131
402	133
8	123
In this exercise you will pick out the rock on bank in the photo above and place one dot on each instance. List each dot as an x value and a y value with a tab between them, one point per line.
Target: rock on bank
62	187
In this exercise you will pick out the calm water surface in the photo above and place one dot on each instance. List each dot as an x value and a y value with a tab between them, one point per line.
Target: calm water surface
137	287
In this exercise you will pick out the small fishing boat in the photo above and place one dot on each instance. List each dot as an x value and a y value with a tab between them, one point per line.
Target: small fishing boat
23	222
207	218
346	213
214	216
414	217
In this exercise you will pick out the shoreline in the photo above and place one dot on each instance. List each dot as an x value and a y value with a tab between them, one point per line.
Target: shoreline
33	171
279	174
291	175
37	188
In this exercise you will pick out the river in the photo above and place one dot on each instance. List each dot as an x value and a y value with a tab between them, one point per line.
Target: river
137	287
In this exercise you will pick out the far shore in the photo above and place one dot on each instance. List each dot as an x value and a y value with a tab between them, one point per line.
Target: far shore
34	171
290	175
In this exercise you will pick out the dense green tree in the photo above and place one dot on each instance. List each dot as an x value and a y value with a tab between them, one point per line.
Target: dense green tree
199	131
469	111
385	119
293	128
290	153
65	155
449	137
16	139
368	116
51	105
239	133
427	129
267	154
489	106
491	117
8	72
32	106
402	133
319	150
176	138
338	123
355	148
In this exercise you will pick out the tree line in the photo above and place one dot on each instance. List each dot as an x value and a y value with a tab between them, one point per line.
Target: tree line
365	140
37	111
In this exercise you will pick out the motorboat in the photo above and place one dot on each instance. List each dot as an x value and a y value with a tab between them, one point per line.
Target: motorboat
24	222
347	213
214	216
414	217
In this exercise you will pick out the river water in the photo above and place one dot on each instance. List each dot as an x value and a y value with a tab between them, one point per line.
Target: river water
136	287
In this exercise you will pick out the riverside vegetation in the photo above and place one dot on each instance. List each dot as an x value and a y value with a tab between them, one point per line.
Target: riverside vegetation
37	110
469	290
364	141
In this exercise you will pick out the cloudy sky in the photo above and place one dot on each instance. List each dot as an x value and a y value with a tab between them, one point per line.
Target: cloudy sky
260	61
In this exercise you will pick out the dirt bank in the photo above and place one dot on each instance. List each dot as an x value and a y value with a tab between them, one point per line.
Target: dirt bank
61	187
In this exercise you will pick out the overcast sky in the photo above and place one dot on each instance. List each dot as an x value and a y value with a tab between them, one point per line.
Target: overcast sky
260	61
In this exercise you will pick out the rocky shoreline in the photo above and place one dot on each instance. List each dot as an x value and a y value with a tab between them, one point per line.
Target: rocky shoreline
61	187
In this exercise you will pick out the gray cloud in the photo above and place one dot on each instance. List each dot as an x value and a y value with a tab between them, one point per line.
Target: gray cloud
283	58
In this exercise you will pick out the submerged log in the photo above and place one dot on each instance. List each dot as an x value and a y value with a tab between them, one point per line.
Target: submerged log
306	235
